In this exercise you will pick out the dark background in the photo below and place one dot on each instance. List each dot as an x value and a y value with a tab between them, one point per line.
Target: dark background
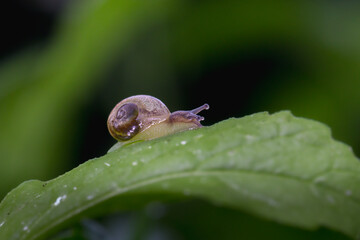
64	65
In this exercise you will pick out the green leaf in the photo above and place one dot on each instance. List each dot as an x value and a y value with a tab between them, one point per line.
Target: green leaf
276	166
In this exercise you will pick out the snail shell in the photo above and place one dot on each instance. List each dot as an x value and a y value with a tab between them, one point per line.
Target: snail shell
144	117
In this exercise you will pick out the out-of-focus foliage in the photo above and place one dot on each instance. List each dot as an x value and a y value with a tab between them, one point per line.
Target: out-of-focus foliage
239	56
41	91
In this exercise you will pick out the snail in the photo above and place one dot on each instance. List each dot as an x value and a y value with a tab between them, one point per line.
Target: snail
143	117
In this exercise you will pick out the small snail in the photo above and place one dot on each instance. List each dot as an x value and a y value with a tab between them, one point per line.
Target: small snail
144	117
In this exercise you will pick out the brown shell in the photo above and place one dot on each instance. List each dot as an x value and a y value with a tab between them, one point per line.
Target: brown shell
151	110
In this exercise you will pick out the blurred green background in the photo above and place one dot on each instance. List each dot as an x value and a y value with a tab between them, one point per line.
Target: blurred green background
65	64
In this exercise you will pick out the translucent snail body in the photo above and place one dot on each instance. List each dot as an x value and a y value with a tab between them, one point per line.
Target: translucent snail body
144	117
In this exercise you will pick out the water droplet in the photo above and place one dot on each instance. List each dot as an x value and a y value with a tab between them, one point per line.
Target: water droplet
272	203
2	223
198	136
197	152
330	199
348	192
75	188
183	142
26	228
250	137
149	147
319	179
89	197
134	163
65	186
314	190
231	153
107	164
59	199
203	180
186	192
